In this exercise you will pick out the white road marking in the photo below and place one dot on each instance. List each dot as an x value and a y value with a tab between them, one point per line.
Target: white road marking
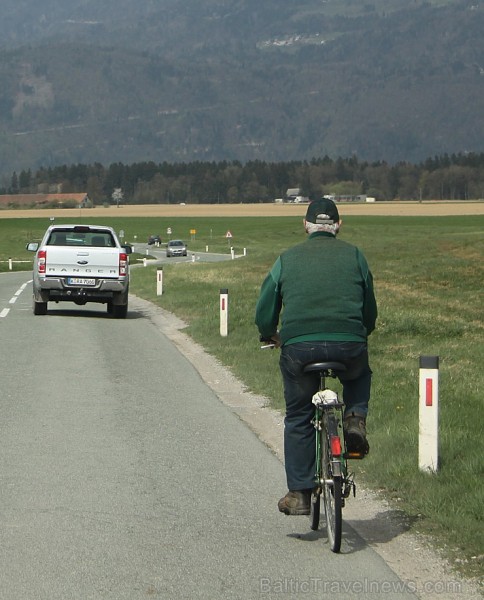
14	298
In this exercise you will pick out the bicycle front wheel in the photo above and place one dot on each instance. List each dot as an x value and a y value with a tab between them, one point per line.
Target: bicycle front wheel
315	509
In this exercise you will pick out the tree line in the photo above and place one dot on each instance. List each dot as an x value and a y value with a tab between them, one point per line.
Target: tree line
446	177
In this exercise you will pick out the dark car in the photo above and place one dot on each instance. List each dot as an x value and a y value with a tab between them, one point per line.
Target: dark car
154	239
176	248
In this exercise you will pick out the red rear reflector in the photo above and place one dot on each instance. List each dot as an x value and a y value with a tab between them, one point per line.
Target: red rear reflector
41	260
335	445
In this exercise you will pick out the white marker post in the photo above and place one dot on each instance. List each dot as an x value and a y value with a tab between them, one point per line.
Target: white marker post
428	439
224	312
159	281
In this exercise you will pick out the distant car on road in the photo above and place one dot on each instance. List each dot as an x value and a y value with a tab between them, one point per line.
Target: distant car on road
176	248
154	239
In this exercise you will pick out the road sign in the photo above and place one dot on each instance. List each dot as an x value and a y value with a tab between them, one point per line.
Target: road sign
228	235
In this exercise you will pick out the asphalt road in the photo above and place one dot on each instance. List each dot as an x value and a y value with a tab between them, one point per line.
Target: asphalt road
123	475
159	253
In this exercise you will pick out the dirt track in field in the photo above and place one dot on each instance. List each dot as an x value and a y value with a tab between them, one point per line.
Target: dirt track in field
258	210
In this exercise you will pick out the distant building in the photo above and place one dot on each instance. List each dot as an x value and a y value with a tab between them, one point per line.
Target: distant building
40	200
294	195
347	198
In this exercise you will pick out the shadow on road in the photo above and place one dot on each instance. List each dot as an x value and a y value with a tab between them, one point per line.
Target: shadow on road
380	529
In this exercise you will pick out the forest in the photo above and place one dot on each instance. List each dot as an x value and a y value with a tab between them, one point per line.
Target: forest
446	177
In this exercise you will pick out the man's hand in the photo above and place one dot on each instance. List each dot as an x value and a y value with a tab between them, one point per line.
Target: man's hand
274	341
276	338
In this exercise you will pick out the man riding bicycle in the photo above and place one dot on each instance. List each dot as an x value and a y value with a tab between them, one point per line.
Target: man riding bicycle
326	289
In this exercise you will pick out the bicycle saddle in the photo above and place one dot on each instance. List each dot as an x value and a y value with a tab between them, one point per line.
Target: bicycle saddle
324	366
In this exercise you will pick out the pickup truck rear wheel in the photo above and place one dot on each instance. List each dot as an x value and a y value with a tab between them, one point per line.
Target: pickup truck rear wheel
120	311
40	308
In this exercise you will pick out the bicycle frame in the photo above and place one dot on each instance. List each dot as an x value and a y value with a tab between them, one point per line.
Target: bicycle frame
328	422
332	479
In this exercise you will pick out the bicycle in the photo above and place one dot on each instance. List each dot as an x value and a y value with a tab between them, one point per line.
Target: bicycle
332	478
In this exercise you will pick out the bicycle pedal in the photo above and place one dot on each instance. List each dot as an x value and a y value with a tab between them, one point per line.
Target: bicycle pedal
350	486
355	455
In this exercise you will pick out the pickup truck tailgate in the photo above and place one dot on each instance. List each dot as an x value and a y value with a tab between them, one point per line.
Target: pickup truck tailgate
82	262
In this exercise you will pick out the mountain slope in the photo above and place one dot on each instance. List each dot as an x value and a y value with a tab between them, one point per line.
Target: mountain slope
236	80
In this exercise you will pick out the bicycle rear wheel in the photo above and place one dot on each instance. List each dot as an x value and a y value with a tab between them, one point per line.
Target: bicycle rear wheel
332	493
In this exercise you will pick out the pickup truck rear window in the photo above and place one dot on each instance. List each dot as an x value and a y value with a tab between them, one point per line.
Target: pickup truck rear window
98	239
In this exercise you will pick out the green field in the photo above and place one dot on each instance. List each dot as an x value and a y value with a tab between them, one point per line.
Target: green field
428	275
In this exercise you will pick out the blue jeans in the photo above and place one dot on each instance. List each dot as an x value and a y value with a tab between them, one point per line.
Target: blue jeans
299	439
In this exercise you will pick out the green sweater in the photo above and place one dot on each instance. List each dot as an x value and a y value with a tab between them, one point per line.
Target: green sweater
326	289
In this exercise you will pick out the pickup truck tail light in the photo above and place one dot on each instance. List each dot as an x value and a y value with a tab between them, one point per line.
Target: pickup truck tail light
123	263
41	261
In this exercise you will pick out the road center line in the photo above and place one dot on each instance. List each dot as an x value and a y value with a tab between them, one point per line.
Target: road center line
14	298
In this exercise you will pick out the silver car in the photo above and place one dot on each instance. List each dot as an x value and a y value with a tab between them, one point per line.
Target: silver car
176	248
80	264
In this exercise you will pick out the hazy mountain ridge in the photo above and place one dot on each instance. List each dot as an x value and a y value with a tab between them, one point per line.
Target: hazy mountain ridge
236	80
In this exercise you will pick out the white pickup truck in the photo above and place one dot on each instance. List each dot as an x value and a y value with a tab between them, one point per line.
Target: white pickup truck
81	263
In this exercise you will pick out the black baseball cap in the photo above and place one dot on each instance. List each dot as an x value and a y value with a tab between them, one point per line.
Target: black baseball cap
322	211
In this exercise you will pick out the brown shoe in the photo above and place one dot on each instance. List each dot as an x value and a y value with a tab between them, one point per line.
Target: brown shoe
354	427
295	502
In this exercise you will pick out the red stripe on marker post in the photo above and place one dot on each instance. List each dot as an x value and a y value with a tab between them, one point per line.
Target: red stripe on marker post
428	392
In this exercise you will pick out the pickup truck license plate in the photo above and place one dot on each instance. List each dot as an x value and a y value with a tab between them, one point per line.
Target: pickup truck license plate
80	281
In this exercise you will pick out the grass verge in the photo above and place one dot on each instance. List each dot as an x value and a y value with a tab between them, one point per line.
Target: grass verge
428	277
